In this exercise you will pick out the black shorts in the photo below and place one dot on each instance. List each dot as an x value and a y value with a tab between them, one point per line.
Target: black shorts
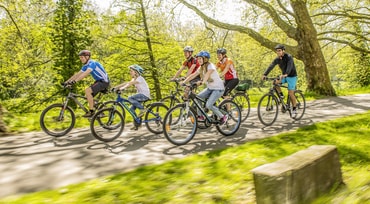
230	85
99	86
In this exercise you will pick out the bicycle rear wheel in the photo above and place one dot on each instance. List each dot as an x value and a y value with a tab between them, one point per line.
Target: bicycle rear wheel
301	104
243	102
232	110
180	125
268	109
154	117
107	124
57	121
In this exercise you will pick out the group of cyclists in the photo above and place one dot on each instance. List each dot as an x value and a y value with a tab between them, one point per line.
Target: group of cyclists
200	70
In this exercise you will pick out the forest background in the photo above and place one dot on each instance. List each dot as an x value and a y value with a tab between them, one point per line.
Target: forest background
40	41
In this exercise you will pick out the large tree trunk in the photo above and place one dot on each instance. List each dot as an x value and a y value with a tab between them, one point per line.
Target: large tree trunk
309	50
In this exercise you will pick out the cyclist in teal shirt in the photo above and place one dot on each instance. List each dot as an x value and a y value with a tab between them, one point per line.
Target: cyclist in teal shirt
289	73
97	71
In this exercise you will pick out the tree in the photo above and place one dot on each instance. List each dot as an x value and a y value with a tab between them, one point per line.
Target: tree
70	35
295	21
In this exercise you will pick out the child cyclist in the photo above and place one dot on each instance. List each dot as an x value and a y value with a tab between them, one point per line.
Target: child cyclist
142	88
215	86
228	71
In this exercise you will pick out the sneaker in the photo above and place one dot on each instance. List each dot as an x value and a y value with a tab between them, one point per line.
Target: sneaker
224	119
134	128
142	112
294	113
201	118
89	114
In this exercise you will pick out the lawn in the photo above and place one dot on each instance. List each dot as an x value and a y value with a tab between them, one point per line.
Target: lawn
223	176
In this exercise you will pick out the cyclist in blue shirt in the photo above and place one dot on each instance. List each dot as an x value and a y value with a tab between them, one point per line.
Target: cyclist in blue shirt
97	71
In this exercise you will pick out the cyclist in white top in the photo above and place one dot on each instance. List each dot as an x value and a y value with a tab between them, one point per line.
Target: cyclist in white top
215	85
143	91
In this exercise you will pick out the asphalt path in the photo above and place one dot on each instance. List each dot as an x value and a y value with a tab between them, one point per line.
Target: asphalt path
34	161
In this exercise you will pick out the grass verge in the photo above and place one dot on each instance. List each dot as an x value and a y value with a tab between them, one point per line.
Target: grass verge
223	176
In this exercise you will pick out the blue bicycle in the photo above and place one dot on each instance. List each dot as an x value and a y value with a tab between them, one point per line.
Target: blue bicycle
108	123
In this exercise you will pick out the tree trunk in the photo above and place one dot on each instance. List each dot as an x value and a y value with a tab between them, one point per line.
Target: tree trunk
154	70
3	128
309	51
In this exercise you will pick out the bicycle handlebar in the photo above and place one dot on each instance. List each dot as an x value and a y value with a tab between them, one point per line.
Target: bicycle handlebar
177	80
271	78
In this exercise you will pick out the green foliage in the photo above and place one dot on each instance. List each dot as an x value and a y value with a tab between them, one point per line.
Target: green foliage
224	175
70	34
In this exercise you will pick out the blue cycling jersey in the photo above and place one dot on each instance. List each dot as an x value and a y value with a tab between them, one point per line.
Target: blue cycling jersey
98	72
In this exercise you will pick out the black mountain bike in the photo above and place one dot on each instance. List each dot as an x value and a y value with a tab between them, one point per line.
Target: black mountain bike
180	124
268	106
175	95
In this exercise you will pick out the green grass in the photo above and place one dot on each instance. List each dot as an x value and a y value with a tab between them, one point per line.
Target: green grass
223	176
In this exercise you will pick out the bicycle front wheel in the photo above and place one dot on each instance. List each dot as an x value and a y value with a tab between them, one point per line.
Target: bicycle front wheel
268	109
154	117
180	125
301	104
232	110
57	121
107	124
243	102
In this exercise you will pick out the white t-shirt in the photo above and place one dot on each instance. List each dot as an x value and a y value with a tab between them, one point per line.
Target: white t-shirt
142	87
216	82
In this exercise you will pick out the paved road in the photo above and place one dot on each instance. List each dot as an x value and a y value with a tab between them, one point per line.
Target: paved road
35	161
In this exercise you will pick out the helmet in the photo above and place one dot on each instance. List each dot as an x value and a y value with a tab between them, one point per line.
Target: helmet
280	46
137	68
204	54
221	51
84	53
188	49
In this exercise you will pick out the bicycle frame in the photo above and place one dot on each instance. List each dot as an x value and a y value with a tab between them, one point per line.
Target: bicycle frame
73	96
195	99
122	101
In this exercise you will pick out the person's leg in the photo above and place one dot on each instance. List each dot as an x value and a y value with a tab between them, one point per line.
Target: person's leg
136	100
214	96
204	94
229	86
90	98
292	82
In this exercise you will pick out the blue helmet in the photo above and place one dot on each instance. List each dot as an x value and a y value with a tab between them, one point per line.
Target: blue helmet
204	54
137	68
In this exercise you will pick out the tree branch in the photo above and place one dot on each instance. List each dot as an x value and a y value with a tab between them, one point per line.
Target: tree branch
11	18
252	33
346	43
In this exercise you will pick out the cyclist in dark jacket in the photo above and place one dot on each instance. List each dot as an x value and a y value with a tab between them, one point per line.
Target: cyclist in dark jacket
289	73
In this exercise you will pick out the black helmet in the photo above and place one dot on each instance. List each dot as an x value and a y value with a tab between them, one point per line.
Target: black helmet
280	46
221	51
84	53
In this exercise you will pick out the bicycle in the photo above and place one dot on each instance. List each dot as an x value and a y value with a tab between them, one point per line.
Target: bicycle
241	97
59	119
268	105
108	123
173	99
180	124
